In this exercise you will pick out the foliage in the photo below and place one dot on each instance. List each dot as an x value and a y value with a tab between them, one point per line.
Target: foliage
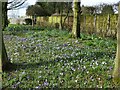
20	29
108	9
50	59
36	10
48	6
55	7
99	9
88	10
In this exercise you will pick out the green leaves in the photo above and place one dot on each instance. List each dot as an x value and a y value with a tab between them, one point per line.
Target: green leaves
48	58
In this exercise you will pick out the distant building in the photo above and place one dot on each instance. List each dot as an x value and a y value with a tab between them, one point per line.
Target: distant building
19	20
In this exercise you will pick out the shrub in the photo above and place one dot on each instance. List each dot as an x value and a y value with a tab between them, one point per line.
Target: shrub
28	21
56	25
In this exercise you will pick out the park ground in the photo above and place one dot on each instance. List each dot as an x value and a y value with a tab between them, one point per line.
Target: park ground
51	58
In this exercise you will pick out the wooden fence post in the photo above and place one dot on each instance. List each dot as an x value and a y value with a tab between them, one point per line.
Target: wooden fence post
108	25
52	21
68	23
97	24
94	24
116	27
84	25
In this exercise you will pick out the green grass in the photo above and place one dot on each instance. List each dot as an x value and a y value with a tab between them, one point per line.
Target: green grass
51	58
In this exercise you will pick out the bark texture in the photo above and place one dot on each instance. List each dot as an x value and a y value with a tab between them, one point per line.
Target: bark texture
116	72
0	45
4	58
76	21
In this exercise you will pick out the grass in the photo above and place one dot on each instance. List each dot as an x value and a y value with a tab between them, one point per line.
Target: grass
50	58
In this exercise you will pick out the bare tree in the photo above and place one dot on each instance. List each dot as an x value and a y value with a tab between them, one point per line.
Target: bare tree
11	4
16	4
115	6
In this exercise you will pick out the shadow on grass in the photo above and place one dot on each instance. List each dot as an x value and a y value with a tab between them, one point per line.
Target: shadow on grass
32	66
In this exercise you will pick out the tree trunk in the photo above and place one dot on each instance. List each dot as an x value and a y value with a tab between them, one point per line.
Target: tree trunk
76	22
4	15
108	25
61	24
95	23
4	59
67	15
33	21
84	27
61	15
0	45
116	72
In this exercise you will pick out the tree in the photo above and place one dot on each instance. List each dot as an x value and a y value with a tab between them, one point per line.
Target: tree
9	5
108	9
4	14
57	7
4	58
16	4
115	6
104	9
3	55
116	72
76	22
0	45
36	10
65	8
4	61
88	10
49	7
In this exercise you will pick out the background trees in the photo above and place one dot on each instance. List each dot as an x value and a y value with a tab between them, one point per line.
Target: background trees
88	10
99	9
49	8
107	9
36	10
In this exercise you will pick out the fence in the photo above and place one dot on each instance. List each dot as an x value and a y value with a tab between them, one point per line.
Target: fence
104	25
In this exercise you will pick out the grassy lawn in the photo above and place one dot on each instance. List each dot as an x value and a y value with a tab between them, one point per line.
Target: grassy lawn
51	58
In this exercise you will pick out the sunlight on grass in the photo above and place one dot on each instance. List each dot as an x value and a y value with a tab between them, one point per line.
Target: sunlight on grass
50	58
